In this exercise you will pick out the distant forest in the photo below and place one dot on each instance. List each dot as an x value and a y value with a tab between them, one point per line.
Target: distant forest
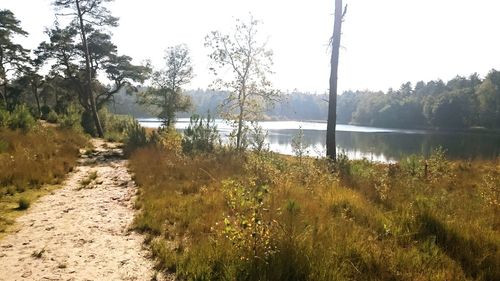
294	106
462	102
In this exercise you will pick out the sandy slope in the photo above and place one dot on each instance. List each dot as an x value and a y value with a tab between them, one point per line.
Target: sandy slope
80	233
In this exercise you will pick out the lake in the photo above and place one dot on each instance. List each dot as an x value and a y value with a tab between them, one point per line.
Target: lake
376	144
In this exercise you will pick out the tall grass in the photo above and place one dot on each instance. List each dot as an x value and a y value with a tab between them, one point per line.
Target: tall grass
262	216
29	160
43	155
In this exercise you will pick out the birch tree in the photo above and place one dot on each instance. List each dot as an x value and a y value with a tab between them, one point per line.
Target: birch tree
242	65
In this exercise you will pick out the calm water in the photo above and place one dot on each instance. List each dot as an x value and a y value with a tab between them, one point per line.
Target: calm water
378	144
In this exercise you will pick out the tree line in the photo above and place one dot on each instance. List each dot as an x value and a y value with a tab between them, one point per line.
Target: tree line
292	106
87	71
462	102
78	55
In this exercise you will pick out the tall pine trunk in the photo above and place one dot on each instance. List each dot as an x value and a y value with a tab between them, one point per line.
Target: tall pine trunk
332	104
88	86
34	88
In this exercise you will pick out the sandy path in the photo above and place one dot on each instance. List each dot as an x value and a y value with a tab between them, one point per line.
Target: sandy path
80	233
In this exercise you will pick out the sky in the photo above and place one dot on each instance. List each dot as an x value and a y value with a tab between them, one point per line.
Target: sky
384	43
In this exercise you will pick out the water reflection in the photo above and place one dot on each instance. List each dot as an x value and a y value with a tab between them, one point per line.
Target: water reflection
377	144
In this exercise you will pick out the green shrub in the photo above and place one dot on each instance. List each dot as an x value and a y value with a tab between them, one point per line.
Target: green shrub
136	137
45	110
257	138
437	166
200	135
72	119
413	165
23	203
114	126
52	117
299	147
343	166
4	118
167	139
21	118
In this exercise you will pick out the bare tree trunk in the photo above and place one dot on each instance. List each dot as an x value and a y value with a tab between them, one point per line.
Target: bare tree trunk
240	129
37	99
241	105
88	88
332	104
4	76
5	93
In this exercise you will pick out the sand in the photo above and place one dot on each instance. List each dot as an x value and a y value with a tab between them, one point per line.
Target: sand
81	232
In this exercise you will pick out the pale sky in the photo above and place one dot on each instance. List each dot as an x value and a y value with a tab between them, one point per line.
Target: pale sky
384	43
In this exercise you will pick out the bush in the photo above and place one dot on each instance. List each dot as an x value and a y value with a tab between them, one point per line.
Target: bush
4	118
52	117
114	126
257	138
72	119
45	110
437	166
23	204
167	139
299	147
21	118
200	135
413	165
136	137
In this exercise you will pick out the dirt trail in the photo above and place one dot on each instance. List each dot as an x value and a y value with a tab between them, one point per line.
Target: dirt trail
80	232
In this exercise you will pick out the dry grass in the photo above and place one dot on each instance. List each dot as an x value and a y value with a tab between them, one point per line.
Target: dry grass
31	165
231	216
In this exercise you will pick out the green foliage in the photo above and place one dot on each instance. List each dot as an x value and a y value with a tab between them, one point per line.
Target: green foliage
168	140
413	165
21	118
488	95
4	118
342	165
52	117
13	56
438	167
460	103
166	94
45	110
115	126
257	137
23	204
201	135
299	147
247	63
233	136
136	137
72	119
70	74
244	225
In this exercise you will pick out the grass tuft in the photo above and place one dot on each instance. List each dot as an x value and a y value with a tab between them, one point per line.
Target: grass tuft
23	204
